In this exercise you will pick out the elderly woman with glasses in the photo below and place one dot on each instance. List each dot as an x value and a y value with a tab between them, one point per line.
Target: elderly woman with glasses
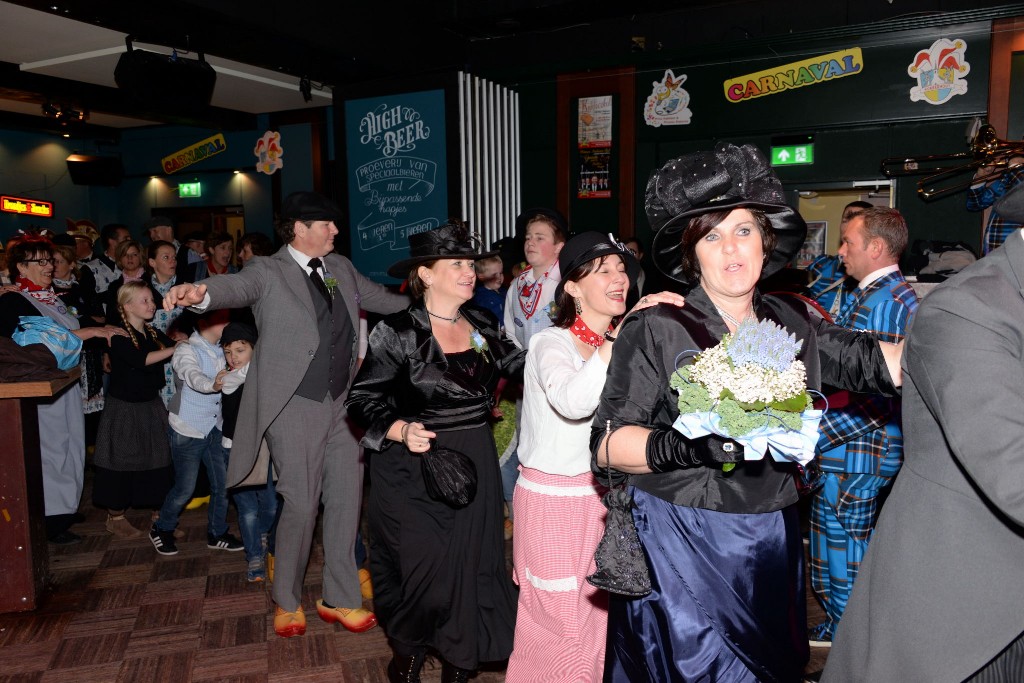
61	420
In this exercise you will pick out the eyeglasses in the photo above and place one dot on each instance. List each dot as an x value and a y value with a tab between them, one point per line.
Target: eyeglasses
41	261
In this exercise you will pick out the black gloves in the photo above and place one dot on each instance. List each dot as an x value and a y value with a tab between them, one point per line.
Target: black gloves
667	450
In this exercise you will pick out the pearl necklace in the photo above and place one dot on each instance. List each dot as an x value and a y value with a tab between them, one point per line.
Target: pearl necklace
731	319
457	318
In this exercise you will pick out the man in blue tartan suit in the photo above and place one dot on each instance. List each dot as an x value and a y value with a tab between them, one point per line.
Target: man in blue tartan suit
828	284
860	443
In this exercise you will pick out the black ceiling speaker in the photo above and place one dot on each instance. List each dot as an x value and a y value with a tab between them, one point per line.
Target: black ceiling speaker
86	169
165	80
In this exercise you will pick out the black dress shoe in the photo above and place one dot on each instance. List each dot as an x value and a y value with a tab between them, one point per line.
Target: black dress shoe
65	538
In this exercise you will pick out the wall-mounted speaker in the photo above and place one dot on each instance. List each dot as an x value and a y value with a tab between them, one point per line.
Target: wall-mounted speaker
86	169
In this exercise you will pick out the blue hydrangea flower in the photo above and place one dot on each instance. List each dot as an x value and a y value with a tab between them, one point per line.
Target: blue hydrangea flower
763	343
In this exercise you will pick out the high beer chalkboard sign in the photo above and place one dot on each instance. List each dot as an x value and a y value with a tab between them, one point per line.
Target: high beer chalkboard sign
397	175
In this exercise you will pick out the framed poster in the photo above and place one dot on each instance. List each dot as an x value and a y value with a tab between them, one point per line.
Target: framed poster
397	175
594	141
814	245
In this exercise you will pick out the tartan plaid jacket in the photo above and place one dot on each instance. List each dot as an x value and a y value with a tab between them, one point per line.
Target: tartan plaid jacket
864	437
827	285
981	197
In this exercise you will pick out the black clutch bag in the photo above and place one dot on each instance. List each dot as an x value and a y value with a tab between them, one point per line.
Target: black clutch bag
450	476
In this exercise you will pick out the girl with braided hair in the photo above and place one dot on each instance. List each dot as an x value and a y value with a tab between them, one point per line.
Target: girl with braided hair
133	455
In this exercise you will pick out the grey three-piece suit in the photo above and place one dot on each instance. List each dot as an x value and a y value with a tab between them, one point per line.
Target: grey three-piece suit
310	438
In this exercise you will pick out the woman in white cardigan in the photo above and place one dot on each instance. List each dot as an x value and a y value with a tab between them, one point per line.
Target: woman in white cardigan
561	620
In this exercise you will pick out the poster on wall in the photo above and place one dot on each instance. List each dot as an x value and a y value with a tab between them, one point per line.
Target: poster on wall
814	244
397	175
939	72
594	139
668	104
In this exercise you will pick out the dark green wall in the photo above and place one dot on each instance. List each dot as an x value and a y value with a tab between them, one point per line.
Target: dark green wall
857	121
851	154
538	139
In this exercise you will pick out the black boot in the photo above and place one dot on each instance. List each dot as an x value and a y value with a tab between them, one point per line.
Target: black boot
453	674
405	669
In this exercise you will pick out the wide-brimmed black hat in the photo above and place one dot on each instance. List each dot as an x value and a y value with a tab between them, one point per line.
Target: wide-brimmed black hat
310	206
587	246
451	240
728	178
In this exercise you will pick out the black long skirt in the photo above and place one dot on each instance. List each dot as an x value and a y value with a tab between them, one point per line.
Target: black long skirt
133	456
439	576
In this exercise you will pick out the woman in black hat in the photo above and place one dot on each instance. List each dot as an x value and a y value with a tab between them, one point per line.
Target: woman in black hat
723	548
426	383
562	620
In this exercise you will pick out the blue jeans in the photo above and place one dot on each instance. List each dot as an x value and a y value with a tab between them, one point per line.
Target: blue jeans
187	453
257	511
509	477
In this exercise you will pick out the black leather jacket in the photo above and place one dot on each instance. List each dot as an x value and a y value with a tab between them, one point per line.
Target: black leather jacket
404	365
637	393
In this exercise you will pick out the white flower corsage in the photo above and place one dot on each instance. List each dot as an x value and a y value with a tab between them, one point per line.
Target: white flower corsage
332	284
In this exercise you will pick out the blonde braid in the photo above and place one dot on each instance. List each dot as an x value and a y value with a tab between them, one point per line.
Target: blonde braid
127	325
151	331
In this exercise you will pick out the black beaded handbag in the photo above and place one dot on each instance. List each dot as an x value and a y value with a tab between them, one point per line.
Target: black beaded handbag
620	559
449	476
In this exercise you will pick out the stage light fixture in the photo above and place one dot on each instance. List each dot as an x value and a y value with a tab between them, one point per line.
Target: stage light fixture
306	88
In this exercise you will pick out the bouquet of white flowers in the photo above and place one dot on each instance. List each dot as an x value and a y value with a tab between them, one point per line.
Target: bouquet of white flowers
750	388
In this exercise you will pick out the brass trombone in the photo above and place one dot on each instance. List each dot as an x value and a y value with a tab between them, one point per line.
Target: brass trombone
985	150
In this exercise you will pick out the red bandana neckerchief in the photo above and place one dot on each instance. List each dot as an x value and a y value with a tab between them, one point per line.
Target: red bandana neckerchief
529	295
585	334
44	294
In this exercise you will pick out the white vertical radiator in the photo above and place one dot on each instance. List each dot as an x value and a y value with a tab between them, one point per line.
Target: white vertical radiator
489	157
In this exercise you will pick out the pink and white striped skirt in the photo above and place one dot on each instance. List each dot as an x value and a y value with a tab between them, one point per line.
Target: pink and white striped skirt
561	621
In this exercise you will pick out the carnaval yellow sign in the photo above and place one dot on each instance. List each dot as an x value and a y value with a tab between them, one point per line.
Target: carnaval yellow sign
194	153
796	75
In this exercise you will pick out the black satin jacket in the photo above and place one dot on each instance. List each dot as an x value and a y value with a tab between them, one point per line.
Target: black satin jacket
637	393
404	366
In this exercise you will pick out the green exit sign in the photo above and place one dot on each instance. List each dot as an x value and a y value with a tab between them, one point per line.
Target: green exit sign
791	155
190	190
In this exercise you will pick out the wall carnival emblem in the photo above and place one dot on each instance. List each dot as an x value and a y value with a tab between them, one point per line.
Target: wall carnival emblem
668	102
939	71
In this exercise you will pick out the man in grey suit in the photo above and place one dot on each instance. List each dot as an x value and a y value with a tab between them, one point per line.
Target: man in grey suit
939	594
306	302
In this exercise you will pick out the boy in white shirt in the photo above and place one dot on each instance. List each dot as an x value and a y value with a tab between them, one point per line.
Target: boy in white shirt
195	419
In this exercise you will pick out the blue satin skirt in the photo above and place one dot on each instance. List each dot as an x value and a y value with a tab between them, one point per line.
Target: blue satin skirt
728	602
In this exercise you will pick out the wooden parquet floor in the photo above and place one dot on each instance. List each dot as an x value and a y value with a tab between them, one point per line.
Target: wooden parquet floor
117	611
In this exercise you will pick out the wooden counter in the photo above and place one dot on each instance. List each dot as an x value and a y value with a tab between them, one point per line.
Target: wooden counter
24	557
